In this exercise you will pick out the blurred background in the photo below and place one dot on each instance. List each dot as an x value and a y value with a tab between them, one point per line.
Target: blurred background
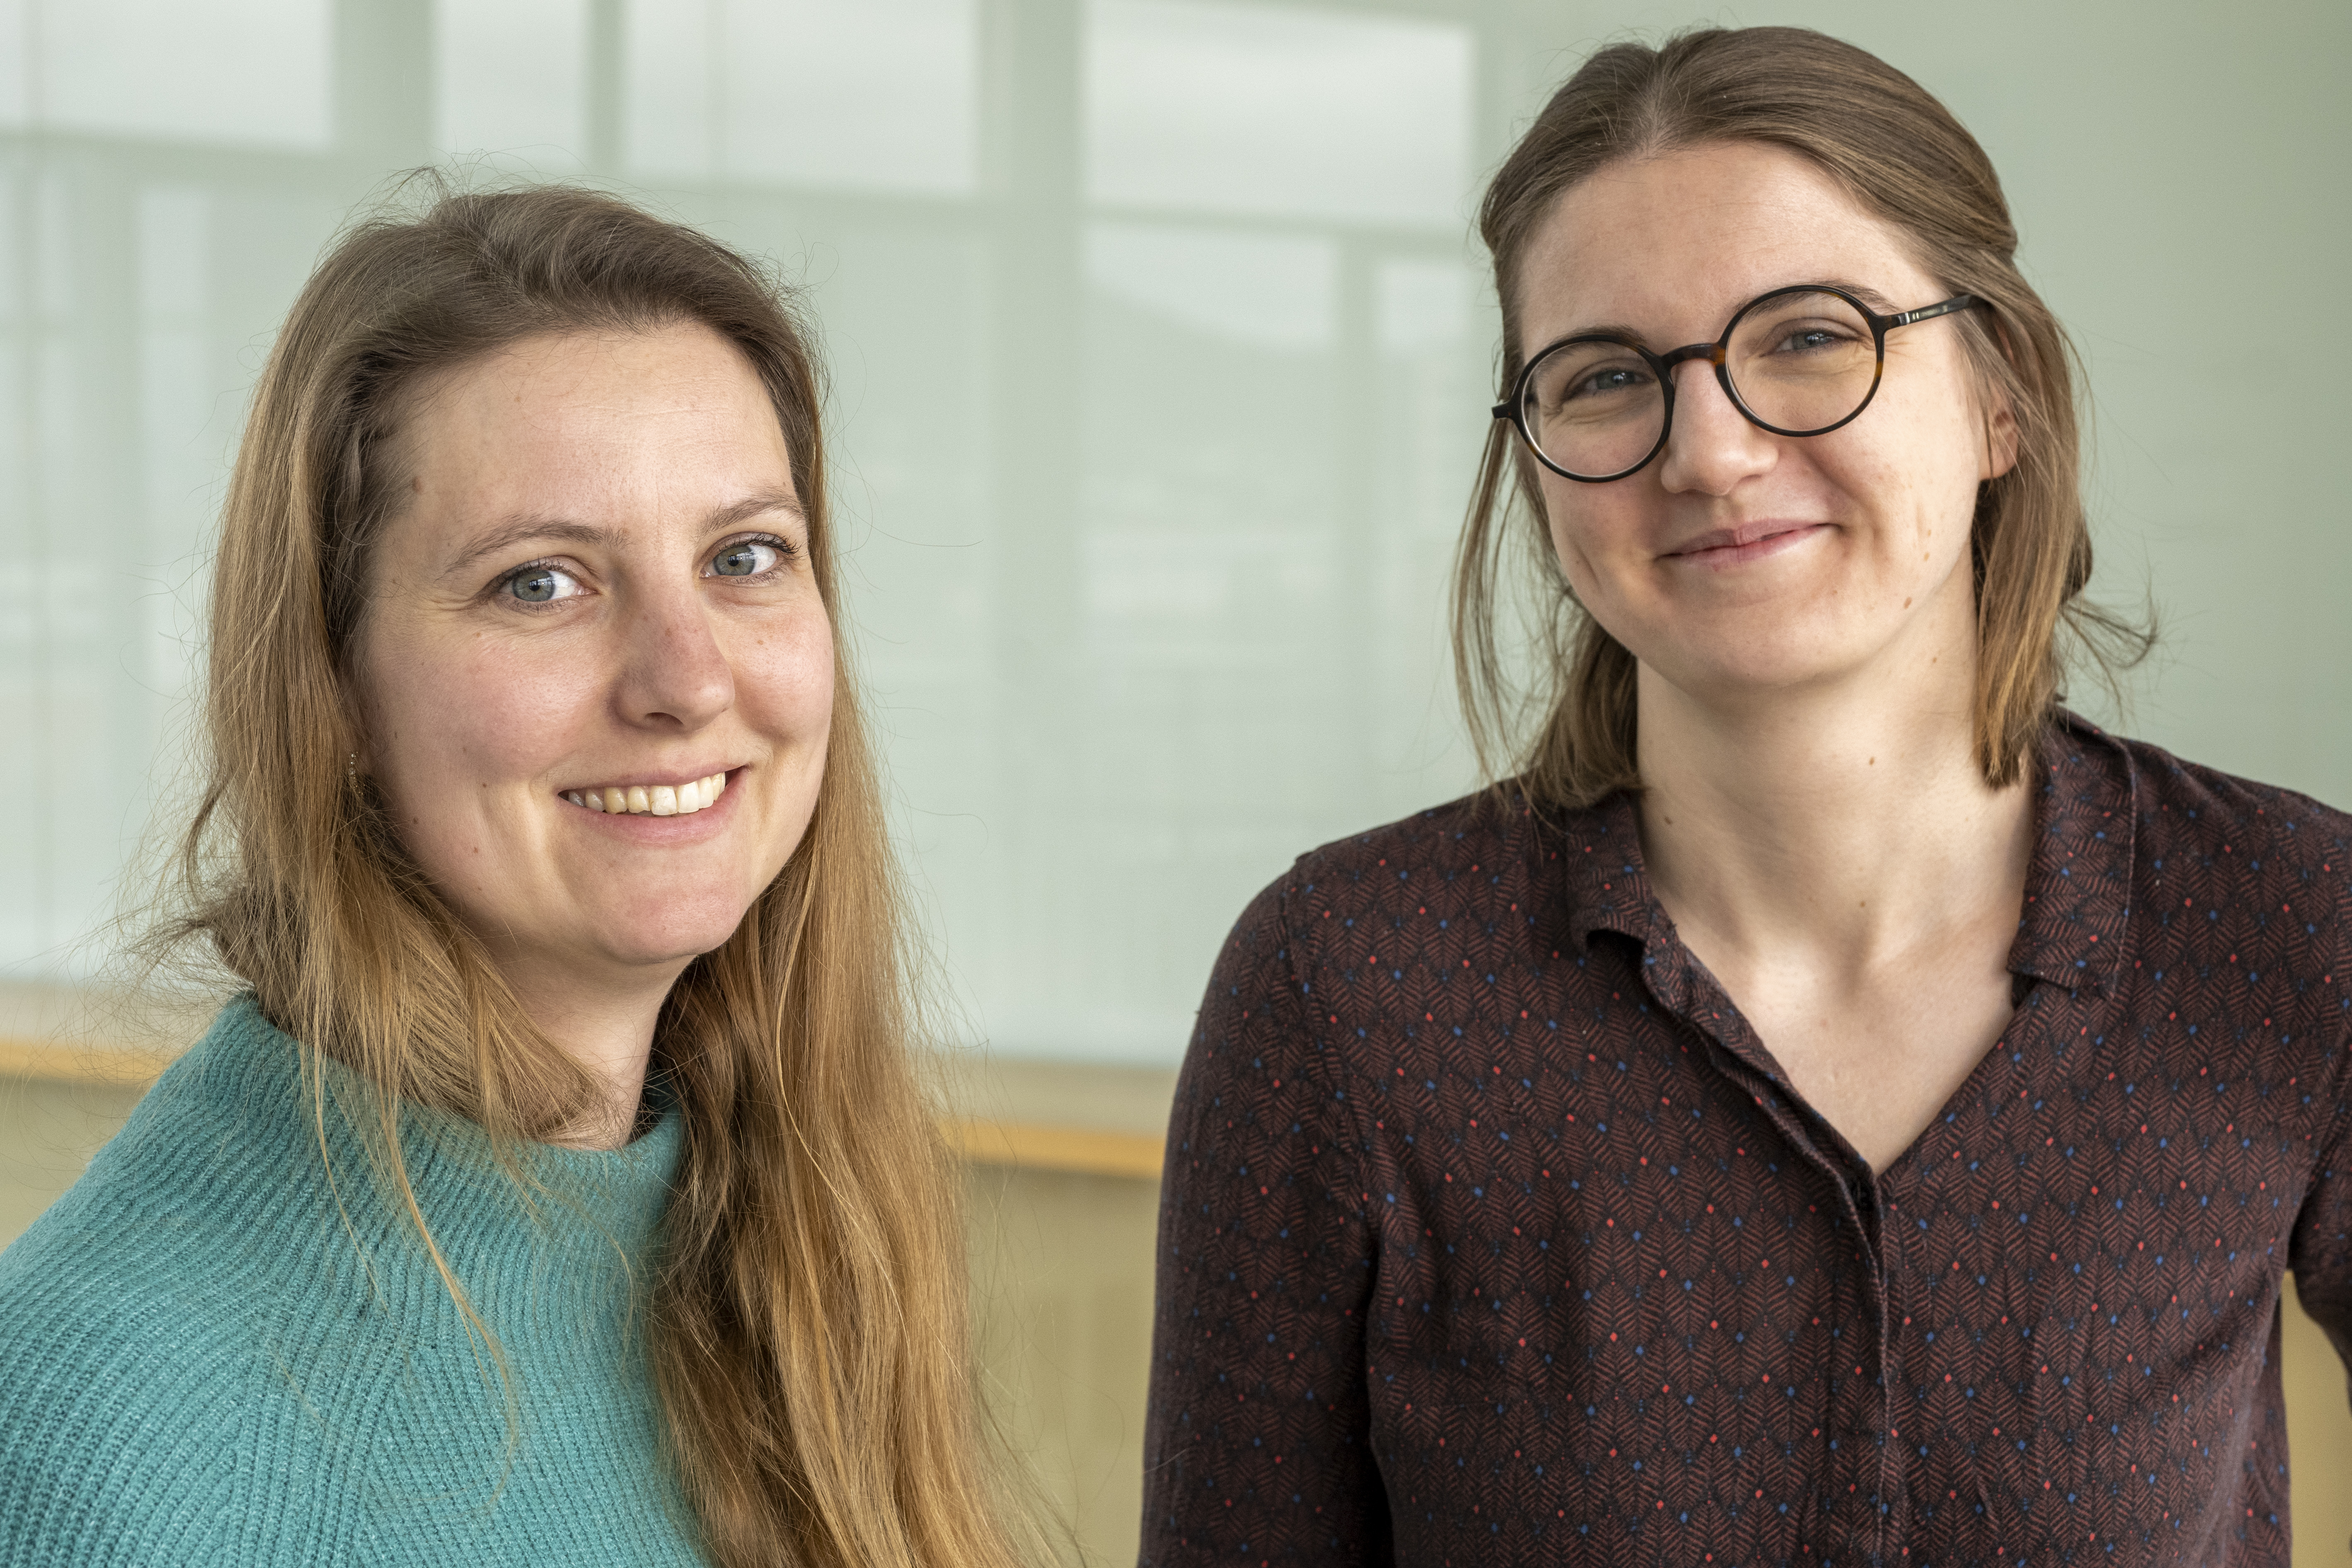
1160	349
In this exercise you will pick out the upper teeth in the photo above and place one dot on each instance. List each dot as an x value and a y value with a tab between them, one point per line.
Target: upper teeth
651	800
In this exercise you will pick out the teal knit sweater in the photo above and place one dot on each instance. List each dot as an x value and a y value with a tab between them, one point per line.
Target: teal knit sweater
201	1360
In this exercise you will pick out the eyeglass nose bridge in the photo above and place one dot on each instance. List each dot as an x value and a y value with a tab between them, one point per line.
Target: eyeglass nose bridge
1717	353
1714	353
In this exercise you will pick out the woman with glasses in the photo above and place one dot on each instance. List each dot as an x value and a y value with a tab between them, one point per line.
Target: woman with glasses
1828	1103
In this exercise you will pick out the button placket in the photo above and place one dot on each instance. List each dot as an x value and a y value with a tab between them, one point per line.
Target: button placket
1898	1233
1848	1468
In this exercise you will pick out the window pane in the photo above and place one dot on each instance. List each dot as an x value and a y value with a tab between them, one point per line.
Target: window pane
872	94
1423	307
1264	290
15	62
1223	108
512	76
250	71
669	89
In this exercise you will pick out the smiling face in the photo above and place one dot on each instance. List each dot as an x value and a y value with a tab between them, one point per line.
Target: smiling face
1738	561
599	585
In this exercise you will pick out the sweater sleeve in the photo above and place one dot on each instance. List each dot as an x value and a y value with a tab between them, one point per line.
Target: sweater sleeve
1258	1442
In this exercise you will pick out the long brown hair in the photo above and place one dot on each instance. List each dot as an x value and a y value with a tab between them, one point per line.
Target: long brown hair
1571	734
807	1318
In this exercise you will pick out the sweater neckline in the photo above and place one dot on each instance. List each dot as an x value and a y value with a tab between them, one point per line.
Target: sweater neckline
245	1076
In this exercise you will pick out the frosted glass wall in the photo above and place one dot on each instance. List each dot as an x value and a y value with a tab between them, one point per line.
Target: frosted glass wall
1161	353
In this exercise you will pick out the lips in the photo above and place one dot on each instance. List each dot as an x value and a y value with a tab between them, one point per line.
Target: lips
1744	541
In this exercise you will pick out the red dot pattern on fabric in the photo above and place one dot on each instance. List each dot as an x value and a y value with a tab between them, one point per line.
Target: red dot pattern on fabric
1490	1234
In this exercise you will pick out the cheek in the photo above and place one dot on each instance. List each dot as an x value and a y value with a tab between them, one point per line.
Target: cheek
1584	523
465	715
1929	501
783	676
1925	459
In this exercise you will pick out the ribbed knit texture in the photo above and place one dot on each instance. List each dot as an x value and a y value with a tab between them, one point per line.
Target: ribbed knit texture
204	1360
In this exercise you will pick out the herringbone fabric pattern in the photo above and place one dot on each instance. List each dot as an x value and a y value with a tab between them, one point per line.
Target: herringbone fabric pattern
1492	1235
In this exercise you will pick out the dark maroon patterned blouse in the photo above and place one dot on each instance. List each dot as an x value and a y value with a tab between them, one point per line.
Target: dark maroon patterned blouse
1493	1234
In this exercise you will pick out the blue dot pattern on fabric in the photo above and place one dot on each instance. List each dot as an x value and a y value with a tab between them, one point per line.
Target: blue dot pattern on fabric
1491	1234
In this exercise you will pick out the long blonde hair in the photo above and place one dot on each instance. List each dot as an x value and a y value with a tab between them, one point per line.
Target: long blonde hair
807	1319
1569	736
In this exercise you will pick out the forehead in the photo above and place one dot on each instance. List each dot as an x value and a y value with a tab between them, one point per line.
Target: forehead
1671	245
619	391
570	419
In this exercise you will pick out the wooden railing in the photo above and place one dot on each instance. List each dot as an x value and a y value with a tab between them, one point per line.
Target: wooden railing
982	1141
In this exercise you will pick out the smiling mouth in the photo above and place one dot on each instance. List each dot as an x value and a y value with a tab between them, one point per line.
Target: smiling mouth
651	800
1749	539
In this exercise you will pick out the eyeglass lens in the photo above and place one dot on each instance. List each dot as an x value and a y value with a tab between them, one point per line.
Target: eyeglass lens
1800	363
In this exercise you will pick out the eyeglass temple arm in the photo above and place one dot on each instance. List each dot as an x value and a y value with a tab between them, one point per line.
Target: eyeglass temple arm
1929	312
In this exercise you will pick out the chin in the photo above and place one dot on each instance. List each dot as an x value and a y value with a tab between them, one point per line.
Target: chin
633	940
1756	666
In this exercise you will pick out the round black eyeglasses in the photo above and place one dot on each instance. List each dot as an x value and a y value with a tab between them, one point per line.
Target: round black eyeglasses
1800	361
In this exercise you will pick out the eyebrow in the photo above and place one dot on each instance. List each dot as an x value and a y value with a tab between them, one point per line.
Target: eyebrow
529	528
752	506
1877	301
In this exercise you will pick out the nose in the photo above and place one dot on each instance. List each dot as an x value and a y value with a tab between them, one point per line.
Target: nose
1711	447
674	672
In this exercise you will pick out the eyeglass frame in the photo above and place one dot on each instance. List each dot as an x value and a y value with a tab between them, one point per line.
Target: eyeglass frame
1514	408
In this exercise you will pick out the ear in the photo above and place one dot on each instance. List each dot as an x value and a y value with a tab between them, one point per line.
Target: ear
2001	414
2000	436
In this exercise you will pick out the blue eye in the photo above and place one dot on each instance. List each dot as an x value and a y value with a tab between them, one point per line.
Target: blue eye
748	558
541	584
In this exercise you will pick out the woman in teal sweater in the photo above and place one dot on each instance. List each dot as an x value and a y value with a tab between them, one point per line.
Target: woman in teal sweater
558	1190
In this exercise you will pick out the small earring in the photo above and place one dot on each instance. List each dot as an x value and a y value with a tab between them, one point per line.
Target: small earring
352	767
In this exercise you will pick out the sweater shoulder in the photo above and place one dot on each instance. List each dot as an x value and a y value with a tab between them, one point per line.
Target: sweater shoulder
126	1395
135	1373
125	1281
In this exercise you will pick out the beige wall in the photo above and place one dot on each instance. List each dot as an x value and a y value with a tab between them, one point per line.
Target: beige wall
1062	1273
2319	1443
1062	1270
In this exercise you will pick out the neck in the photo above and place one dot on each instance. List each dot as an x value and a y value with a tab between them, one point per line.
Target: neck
1843	824
605	1023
